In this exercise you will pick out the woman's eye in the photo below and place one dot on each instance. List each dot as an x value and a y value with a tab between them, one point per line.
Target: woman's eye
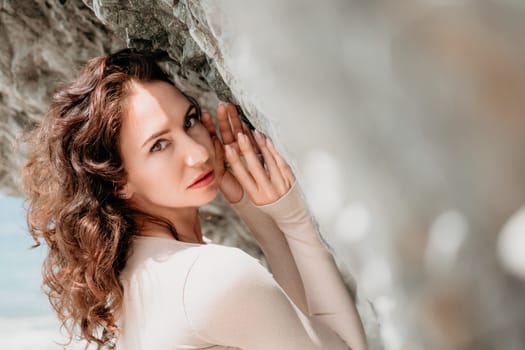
159	146
191	120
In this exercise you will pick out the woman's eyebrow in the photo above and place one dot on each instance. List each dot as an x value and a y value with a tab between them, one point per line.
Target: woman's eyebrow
165	131
155	135
192	106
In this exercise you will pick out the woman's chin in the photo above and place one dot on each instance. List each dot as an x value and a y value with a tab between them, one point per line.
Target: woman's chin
213	191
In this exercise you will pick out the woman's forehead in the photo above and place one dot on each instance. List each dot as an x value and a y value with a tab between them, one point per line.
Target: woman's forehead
156	98
151	107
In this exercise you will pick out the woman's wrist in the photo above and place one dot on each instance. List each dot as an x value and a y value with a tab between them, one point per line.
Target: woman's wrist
278	201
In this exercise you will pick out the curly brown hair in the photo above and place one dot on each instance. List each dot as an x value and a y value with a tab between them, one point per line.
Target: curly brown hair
71	179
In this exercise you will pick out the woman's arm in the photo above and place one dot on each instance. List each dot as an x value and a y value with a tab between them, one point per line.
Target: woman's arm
275	248
273	190
327	297
302	252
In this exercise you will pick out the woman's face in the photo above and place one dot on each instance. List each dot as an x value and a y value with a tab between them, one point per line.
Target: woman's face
164	148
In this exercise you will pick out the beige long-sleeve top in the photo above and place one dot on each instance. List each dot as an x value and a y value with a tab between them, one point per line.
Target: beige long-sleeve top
180	295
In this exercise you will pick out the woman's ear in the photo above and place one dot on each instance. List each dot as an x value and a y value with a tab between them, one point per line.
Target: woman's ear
122	195
125	192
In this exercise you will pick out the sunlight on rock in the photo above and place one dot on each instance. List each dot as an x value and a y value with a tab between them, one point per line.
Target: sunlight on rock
447	233
353	223
390	334
323	183
376	277
511	244
391	337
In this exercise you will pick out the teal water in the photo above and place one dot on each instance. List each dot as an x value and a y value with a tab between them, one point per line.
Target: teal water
26	318
20	276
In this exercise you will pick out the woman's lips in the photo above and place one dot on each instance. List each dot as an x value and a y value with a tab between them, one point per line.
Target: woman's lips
205	181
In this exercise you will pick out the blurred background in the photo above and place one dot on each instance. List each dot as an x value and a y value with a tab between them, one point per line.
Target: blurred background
403	121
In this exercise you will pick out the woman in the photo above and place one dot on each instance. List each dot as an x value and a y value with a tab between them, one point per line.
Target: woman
118	169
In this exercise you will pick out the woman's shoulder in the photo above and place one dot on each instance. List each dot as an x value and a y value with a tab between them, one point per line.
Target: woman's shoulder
218	258
222	284
223	268
159	254
162	249
214	260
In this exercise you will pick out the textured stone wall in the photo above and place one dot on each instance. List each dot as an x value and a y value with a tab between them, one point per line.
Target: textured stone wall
403	120
41	43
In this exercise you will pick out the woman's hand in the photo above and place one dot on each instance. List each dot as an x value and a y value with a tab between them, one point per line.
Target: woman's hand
264	186
264	181
229	125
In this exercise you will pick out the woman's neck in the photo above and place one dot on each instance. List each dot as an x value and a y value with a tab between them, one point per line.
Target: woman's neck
188	228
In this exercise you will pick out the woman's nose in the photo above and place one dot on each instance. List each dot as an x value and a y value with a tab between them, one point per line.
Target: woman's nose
195	154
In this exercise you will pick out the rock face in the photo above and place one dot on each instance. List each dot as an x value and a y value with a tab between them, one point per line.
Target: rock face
404	125
42	43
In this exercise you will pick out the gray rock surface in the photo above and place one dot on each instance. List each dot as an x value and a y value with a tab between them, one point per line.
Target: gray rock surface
42	43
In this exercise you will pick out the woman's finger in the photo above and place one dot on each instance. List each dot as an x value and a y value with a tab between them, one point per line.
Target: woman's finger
207	121
254	143
239	171
252	162
285	169
219	153
224	125
238	126
235	121
276	176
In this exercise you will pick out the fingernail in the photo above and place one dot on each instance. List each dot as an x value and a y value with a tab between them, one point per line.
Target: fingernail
228	149
270	143
258	135
240	137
